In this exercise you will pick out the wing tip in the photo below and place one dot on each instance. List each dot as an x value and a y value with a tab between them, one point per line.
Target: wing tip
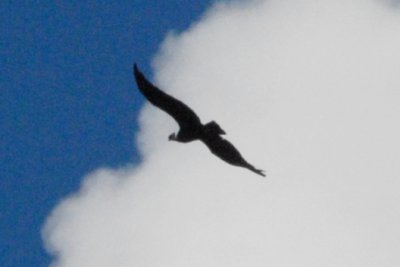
260	172
138	74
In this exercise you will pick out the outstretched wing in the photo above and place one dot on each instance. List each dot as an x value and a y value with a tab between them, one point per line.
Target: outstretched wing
184	116
223	149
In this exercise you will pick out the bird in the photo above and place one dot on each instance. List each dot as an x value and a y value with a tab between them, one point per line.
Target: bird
190	126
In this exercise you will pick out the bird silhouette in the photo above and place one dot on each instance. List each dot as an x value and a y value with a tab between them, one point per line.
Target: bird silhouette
191	128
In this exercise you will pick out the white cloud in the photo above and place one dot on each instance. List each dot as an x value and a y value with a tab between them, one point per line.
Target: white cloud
307	90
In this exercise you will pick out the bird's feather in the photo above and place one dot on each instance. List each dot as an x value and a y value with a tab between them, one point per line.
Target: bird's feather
223	149
183	115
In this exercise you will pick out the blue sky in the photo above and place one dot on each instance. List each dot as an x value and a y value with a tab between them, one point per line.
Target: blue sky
68	101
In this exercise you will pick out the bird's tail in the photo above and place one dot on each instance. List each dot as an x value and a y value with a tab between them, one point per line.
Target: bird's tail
213	128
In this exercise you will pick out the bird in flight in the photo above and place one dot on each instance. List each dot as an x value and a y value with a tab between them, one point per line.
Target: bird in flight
191	128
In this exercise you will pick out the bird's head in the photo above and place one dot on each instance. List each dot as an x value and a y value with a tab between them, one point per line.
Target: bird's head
172	137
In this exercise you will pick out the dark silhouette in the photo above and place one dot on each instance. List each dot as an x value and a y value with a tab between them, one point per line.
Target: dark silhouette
190	125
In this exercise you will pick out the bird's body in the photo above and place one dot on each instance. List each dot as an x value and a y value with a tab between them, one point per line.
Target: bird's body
191	128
